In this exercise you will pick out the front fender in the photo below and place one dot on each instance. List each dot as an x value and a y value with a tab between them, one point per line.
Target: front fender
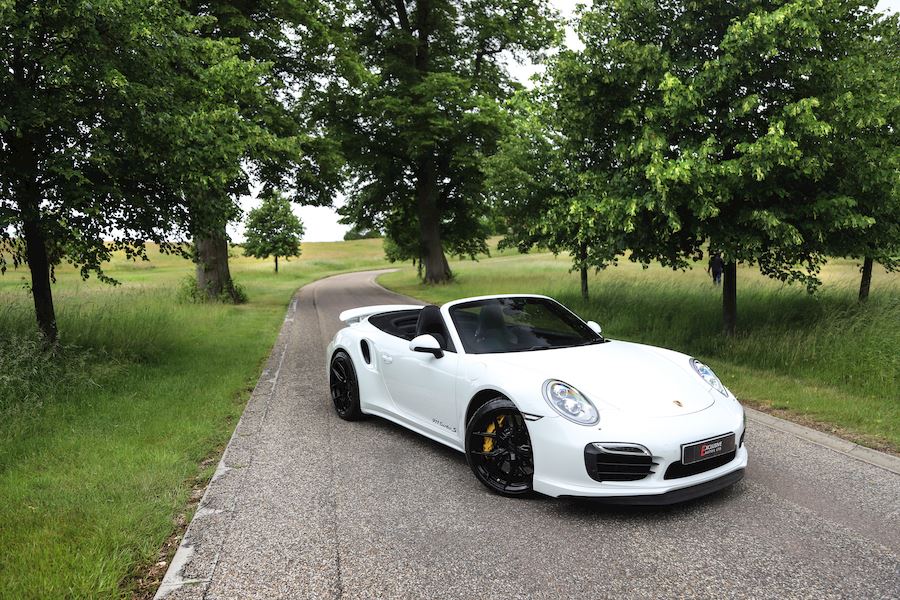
523	388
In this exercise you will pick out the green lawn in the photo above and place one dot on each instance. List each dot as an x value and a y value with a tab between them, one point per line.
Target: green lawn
824	359
99	445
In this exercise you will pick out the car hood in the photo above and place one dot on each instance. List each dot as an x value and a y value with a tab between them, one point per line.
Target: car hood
632	378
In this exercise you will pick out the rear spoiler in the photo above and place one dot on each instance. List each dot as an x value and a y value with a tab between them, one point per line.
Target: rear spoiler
354	315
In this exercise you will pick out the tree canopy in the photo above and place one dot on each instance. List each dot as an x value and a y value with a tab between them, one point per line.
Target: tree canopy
689	124
123	124
272	229
416	111
766	130
290	40
537	190
111	114
356	233
865	144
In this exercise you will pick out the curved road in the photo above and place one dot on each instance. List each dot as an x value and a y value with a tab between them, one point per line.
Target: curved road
305	505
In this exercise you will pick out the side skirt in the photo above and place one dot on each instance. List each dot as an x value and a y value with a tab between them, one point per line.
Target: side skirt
407	424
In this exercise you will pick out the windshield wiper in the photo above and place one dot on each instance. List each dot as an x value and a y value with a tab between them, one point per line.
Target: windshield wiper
587	343
530	348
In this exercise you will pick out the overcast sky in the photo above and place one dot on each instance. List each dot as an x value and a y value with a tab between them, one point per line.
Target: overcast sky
322	223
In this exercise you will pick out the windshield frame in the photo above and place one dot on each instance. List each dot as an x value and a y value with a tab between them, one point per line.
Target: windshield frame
578	326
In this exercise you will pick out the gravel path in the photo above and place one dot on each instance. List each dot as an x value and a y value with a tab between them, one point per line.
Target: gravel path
305	505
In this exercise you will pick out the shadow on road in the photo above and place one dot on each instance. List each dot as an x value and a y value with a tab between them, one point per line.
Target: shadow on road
572	507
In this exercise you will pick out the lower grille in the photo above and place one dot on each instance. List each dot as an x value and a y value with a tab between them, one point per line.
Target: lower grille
630	463
678	470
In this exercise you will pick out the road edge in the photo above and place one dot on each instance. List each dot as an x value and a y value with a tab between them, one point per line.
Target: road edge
237	455
869	456
243	435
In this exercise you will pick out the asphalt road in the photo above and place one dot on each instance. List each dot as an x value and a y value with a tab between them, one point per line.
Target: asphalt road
305	505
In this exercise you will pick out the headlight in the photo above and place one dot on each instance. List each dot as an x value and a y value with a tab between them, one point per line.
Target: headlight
708	376
570	403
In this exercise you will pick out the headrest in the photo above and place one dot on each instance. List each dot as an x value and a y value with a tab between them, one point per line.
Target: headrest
430	321
491	317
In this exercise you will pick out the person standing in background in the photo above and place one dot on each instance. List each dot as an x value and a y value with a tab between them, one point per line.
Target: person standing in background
716	265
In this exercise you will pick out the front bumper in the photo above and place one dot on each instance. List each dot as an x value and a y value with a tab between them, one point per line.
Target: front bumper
674	496
559	448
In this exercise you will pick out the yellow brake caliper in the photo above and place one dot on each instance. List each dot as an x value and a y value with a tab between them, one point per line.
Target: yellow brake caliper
489	441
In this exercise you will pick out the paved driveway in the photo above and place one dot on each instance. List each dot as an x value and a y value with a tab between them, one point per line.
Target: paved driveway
305	505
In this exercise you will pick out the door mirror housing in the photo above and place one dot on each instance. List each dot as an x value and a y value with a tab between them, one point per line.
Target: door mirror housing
426	343
595	327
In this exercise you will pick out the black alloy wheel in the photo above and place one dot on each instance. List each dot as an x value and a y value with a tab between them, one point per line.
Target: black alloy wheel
344	387
498	448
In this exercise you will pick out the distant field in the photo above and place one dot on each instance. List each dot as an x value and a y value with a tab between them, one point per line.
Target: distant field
99	446
823	359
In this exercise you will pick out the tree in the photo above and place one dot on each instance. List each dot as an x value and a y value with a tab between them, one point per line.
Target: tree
717	130
92	94
356	233
273	229
290	39
530	185
865	102
416	111
534	185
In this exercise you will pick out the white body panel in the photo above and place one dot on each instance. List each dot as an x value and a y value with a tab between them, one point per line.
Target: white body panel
645	395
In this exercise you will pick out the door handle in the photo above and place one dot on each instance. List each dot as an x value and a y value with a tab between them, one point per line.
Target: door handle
387	358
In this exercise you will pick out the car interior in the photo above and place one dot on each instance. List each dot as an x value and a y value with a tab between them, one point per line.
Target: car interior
488	326
516	325
401	323
408	324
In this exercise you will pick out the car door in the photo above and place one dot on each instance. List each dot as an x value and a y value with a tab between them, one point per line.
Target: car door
422	387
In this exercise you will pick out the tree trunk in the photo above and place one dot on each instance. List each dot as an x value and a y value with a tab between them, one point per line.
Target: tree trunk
584	283
437	270
213	274
276	263
866	281
582	259
39	264
729	298
431	249
28	197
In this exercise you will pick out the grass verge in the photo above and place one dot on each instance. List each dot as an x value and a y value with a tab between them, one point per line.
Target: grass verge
100	443
825	360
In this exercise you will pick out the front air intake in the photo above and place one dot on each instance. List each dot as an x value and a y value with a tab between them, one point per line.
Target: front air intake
617	462
677	470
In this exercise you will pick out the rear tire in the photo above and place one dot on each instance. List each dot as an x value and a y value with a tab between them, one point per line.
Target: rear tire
498	448
344	387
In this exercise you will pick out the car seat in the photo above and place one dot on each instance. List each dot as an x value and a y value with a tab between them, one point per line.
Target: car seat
492	334
431	322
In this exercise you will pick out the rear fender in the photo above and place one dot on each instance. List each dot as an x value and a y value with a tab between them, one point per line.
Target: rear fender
372	390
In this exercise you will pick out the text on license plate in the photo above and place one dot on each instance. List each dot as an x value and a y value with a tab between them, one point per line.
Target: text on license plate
706	449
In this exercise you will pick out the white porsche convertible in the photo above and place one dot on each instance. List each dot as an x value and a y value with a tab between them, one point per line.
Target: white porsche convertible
539	400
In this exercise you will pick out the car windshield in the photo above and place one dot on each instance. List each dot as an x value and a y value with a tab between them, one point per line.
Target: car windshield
518	324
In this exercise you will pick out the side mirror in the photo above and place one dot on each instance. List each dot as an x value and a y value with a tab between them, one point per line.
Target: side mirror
595	327
426	343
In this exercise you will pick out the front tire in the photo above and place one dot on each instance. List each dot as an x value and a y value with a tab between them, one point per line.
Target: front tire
344	387
498	448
